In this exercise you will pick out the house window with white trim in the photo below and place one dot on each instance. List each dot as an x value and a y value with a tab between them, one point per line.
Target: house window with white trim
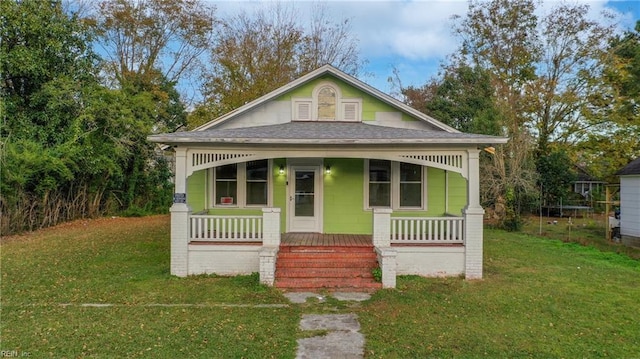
226	184
326	104
257	182
243	184
396	185
379	183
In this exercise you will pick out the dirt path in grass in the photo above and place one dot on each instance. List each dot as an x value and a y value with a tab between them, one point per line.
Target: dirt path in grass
89	224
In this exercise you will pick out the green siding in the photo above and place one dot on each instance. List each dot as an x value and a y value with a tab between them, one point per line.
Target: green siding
370	104
280	191
343	198
197	191
457	193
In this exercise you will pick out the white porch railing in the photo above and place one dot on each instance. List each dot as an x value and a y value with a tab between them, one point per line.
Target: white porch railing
423	230
225	228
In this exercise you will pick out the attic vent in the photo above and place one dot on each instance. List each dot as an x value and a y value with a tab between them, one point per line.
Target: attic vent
350	111
303	111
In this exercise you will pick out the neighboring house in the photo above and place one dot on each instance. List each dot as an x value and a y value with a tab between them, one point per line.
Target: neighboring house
330	155
630	203
586	184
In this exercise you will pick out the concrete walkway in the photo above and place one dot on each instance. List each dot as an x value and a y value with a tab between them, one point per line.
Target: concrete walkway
342	338
342	341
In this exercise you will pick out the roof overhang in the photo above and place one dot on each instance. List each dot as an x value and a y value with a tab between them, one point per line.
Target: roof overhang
324	133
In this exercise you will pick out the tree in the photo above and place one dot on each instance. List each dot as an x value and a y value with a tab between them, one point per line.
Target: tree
500	37
151	39
70	147
615	112
256	53
569	73
463	99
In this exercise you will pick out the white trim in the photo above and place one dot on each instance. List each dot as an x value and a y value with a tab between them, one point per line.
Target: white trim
356	111
241	187
322	71
315	164
315	103
297	104
395	188
454	160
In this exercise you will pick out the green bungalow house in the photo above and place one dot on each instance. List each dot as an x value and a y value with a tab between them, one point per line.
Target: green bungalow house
326	160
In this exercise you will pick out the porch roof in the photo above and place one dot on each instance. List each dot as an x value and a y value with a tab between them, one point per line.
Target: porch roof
324	133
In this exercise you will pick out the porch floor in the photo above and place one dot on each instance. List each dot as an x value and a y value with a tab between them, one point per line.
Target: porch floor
321	239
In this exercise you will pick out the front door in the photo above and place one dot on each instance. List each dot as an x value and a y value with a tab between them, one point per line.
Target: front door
305	199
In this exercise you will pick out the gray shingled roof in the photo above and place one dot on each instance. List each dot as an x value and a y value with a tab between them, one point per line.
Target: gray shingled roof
323	133
633	168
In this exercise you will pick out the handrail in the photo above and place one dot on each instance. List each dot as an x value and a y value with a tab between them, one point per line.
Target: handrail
237	228
423	230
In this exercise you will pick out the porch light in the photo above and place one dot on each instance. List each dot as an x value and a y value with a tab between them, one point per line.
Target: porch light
281	169
328	170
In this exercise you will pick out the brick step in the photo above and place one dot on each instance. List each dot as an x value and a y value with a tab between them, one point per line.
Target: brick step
345	273
326	249
326	256
329	263
324	283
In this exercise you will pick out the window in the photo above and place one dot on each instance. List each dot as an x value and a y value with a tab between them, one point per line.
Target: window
394	185
379	183
242	185
326	104
410	185
257	182
226	184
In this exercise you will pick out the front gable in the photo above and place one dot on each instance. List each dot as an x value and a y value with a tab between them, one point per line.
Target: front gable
327	96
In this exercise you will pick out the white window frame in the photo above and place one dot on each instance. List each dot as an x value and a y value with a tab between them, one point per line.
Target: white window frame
341	104
395	188
241	188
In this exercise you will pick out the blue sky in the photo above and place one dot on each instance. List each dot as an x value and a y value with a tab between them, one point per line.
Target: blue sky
414	36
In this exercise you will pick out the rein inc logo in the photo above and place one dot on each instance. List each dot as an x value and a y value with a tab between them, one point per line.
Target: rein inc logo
14	354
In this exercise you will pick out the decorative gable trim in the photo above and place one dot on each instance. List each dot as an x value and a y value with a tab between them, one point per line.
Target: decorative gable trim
322	71
202	159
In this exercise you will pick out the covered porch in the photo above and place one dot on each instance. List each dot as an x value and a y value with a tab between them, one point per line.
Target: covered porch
229	240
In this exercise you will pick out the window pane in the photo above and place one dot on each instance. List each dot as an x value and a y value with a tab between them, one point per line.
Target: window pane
256	193
410	172
305	193
410	195
379	194
227	172
379	171
326	104
226	192
257	170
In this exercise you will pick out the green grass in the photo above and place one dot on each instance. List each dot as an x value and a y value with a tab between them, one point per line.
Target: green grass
589	231
540	298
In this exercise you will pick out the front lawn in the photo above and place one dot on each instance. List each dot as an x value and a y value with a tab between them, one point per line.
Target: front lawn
101	288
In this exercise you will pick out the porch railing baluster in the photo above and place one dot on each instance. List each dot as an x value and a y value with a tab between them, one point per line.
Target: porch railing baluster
225	228
425	230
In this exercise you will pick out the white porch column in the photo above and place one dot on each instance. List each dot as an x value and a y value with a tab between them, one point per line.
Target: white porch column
388	265
271	227
473	216
180	213
270	245
382	227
